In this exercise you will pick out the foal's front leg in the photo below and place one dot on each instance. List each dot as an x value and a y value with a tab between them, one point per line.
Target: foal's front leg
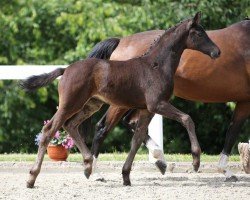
167	110
131	120
139	136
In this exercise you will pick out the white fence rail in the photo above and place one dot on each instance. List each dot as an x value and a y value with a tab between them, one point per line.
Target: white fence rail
15	72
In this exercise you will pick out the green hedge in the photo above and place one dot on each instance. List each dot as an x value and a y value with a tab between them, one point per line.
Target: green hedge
63	31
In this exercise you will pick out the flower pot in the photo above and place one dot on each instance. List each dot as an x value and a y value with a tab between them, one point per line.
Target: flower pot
57	153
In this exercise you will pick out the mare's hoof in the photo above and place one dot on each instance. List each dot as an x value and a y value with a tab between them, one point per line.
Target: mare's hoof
231	179
87	174
29	185
161	166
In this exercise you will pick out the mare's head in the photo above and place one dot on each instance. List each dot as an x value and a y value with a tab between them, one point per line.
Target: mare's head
198	38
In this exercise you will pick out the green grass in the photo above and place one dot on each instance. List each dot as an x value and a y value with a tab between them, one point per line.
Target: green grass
117	157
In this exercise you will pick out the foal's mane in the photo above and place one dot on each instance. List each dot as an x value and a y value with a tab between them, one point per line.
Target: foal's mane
166	32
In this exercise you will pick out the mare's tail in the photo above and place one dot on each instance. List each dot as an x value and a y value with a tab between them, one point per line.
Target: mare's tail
102	50
34	82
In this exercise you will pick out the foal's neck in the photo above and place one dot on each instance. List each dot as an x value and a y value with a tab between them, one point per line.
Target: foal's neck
166	52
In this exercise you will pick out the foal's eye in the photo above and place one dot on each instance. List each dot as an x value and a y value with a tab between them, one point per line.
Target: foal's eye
199	34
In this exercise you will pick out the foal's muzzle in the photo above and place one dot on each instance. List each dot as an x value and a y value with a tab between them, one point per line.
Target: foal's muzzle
215	54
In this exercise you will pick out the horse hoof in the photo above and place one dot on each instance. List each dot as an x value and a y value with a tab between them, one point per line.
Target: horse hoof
231	179
127	183
161	166
29	185
196	168
87	174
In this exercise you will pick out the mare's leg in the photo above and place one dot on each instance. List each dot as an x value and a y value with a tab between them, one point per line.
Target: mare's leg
241	113
105	125
167	110
131	120
139	136
71	126
103	128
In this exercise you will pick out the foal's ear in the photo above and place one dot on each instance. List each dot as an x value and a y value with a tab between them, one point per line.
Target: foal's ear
196	20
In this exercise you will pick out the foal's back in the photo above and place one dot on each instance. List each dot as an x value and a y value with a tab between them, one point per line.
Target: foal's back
118	83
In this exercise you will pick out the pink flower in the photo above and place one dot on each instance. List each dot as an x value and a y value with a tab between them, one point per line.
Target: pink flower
57	135
45	122
68	143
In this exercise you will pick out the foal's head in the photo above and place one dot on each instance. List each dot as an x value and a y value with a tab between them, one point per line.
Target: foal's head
199	40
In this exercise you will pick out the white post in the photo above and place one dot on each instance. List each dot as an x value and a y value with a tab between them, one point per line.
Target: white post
155	131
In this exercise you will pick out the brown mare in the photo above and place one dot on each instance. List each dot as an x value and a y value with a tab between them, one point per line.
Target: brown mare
145	83
197	78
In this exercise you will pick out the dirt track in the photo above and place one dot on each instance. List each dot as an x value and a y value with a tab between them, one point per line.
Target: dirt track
64	181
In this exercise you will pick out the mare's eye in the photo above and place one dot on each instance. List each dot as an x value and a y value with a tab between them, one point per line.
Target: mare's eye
199	34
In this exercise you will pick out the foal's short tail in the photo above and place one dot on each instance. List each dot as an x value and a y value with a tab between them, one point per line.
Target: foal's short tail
34	82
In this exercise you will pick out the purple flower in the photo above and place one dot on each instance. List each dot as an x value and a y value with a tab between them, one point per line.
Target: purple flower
38	138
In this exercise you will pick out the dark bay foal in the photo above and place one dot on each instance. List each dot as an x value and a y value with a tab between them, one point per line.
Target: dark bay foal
145	83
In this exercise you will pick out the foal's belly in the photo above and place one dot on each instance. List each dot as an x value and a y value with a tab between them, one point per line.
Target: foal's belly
125	100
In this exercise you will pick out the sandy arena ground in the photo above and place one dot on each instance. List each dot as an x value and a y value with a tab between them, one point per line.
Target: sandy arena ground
67	181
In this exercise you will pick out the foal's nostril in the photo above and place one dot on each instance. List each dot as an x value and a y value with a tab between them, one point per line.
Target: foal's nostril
219	52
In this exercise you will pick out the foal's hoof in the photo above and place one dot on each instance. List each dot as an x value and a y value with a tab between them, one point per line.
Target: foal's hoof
196	168
231	179
127	183
29	185
161	166
87	174
196	164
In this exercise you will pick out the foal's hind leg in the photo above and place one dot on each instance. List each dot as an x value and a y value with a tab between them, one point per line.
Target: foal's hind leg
139	136
71	126
241	113
167	110
48	133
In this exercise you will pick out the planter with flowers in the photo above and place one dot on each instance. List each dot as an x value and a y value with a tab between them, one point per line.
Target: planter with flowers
60	145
